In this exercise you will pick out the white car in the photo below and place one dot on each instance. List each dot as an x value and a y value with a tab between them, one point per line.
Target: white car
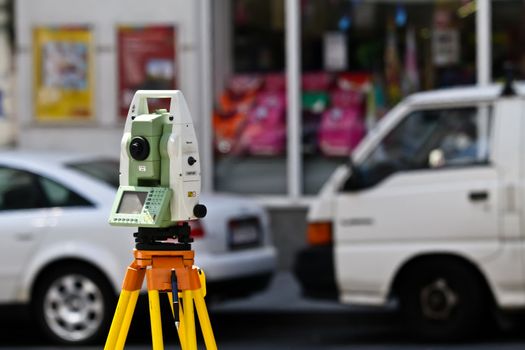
59	255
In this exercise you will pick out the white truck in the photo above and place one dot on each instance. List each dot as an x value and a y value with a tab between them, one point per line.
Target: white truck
429	212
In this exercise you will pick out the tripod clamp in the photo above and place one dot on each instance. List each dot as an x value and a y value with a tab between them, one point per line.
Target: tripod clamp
148	238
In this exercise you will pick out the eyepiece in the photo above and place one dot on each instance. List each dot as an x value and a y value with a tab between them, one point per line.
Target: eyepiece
139	148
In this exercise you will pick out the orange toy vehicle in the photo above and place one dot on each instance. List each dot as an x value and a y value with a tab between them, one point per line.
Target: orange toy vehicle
230	116
228	127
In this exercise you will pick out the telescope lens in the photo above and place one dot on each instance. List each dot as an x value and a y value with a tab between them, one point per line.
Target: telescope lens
139	148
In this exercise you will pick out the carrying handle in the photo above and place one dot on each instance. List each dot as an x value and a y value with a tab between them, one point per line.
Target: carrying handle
178	106
140	100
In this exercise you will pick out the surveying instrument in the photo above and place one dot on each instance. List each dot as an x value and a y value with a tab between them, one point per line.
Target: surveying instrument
159	193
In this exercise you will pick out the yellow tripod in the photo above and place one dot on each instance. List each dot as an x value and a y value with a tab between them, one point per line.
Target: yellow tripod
168	271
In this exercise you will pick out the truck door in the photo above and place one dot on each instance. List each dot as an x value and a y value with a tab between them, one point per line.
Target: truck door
430	180
506	269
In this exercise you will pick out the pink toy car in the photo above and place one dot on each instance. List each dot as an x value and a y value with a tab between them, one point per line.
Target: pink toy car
340	131
265	133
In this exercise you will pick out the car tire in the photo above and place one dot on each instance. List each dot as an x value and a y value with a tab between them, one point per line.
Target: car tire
73	304
443	301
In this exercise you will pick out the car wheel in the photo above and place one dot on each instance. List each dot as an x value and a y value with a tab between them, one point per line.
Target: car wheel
443	301
73	304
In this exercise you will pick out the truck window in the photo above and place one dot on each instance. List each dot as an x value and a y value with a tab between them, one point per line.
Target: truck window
428	139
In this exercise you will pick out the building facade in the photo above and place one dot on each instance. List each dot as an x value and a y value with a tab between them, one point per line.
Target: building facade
281	91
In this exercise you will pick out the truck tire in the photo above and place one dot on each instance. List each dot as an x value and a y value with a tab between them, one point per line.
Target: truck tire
73	304
443	300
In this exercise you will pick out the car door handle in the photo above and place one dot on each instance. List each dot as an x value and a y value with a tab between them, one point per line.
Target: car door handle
477	196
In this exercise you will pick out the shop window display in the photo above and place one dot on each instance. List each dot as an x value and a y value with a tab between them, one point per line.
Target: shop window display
250	135
250	120
250	129
359	58
375	53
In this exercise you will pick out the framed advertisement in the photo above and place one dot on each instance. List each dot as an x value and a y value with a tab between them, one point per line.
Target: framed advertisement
146	61
63	73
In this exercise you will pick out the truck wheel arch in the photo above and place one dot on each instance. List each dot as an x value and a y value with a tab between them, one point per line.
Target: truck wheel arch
445	258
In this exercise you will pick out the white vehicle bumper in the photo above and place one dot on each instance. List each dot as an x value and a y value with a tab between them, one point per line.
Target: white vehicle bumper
233	265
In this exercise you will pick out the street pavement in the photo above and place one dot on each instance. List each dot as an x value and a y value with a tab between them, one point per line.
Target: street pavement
281	319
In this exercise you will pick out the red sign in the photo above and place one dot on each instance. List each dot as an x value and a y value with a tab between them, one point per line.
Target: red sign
146	61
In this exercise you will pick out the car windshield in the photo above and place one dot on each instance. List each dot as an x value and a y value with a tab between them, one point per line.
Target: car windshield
105	170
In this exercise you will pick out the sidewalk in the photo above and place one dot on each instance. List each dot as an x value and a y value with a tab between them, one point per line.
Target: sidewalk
283	295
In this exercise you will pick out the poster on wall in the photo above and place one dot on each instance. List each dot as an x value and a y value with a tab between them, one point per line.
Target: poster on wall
146	61
63	82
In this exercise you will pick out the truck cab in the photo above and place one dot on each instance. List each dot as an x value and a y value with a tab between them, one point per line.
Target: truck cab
428	212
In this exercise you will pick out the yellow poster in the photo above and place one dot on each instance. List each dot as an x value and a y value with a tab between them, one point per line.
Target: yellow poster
63	79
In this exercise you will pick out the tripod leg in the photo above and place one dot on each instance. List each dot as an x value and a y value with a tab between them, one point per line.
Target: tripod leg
125	307
156	323
202	312
180	329
204	320
189	320
126	322
114	331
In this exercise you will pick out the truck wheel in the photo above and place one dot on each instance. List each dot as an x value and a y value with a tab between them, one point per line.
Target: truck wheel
442	300
73	304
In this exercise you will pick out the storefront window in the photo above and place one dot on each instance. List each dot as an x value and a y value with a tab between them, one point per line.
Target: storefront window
249	121
508	38
360	58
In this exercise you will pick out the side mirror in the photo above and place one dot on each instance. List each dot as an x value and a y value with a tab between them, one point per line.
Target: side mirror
436	158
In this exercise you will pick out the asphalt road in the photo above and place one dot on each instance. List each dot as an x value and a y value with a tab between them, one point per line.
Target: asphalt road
280	319
247	330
